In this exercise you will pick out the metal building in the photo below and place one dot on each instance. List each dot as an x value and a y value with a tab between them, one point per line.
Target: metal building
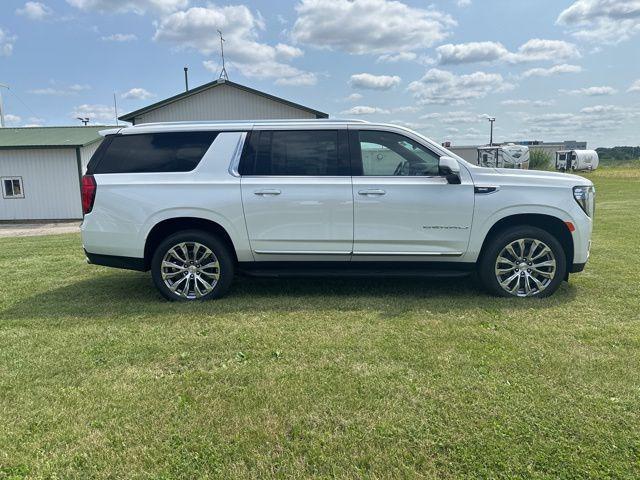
40	170
221	100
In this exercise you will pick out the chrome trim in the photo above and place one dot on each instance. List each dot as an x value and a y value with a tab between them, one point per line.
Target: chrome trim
416	254
300	252
237	154
373	191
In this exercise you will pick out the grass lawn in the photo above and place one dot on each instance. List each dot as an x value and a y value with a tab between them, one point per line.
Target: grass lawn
100	378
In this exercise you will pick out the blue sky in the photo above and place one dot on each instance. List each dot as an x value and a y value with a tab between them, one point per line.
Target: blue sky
548	70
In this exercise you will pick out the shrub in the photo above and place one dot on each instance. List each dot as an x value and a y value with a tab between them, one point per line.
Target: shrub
539	160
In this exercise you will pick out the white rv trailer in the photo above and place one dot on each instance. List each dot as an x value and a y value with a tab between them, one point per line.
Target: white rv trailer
504	156
576	160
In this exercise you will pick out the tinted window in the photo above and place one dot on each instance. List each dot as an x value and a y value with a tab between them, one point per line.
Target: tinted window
153	152
390	154
290	153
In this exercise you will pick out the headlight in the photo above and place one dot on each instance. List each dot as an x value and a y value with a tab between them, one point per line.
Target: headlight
585	196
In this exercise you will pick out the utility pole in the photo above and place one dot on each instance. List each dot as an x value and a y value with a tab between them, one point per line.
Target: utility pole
491	120
223	73
2	85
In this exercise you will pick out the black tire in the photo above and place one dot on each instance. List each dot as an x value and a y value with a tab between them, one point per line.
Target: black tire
487	264
218	248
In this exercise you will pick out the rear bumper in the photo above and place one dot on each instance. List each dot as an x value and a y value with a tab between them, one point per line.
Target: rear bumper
127	263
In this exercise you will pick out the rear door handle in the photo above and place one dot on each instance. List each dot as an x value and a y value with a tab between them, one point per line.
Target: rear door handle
268	191
372	192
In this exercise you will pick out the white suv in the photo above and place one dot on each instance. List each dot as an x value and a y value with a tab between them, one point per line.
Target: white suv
196	203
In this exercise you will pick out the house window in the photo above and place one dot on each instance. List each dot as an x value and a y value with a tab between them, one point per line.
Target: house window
12	187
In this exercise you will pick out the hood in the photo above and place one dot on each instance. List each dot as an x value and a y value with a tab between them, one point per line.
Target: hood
528	177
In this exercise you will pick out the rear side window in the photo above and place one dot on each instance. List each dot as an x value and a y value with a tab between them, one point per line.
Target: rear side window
152	152
296	153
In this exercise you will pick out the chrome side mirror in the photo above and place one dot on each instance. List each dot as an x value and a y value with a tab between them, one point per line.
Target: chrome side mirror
450	169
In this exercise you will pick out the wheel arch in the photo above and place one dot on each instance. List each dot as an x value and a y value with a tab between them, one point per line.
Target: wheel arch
554	225
172	225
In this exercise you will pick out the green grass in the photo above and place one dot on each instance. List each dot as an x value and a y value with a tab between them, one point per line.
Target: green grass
100	378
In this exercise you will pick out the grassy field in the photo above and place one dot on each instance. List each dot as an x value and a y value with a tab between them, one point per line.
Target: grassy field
100	378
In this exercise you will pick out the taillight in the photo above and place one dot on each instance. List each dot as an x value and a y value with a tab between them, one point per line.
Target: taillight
88	193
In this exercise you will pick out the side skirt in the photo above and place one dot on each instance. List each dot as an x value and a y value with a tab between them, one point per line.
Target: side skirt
360	269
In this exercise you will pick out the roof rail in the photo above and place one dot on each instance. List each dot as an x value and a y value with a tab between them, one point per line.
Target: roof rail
260	122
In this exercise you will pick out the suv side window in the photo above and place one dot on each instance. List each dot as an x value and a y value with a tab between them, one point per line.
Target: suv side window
152	152
317	153
390	154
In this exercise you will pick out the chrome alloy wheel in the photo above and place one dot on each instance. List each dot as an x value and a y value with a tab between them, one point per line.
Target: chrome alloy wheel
190	270
525	267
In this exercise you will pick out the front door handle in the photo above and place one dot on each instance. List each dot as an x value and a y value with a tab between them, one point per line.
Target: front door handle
372	192
268	191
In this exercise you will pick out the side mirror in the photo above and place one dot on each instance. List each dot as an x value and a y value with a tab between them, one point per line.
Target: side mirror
450	169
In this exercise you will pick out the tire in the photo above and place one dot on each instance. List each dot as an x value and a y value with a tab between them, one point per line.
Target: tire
189	284
539	275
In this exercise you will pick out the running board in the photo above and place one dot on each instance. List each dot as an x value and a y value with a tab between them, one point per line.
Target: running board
349	269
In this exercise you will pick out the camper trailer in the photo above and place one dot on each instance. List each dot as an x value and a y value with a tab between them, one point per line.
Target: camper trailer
504	156
576	160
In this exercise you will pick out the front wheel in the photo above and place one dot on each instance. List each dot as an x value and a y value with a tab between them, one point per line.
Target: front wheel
192	265
523	262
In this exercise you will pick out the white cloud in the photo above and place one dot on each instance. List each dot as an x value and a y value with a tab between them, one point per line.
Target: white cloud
363	110
538	49
374	82
463	3
354	97
596	119
470	52
555	70
137	94
95	113
602	21
455	117
601	109
197	27
443	87
593	91
61	91
136	6
635	87
298	79
120	37
12	119
6	43
35	11
524	102
535	49
369	26
406	109
397	57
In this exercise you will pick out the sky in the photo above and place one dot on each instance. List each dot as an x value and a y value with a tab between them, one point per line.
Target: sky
546	69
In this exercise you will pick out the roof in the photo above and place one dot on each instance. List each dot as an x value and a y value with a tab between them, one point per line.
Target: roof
48	137
129	117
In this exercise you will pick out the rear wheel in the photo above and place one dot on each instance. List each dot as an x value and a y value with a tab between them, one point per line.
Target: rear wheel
523	261
192	265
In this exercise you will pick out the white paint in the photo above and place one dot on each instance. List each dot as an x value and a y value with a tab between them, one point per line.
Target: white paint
421	219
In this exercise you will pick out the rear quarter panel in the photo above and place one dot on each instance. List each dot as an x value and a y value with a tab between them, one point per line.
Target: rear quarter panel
128	206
